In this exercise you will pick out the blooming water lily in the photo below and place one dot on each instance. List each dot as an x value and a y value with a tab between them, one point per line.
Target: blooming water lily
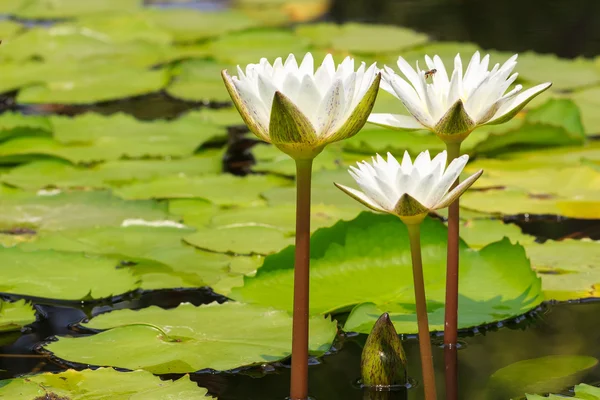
300	110
409	189
455	104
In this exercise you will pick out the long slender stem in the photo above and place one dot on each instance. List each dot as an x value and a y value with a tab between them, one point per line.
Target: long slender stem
414	232
299	380
451	312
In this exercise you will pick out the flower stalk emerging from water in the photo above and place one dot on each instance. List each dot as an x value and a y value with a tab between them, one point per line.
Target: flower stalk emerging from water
300	111
452	106
410	191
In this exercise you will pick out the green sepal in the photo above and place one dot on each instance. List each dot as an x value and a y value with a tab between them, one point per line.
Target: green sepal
408	206
288	124
456	121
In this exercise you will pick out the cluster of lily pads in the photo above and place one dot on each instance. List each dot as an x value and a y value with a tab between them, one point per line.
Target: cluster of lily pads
97	206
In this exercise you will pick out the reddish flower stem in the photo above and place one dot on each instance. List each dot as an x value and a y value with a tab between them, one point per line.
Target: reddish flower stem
451	311
299	379
414	232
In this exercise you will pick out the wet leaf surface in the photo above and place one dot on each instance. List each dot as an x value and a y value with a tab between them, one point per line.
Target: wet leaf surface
215	336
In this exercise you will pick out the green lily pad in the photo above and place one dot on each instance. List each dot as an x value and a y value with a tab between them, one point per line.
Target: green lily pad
60	174
17	75
362	38
479	233
249	47
121	28
84	85
18	125
215	336
14	316
9	6
283	216
563	73
62	275
241	239
224	190
588	102
199	80
368	259
92	128
47	9
8	29
539	375
145	244
568	268
193	212
221	116
102	383
60	43
186	25
73	210
272	160
582	392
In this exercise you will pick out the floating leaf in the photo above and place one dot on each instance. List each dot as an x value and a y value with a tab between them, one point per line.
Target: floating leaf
224	190
101	383
368	259
214	336
62	275
588	102
362	38
241	239
18	125
539	375
73	210
582	392
46	9
199	80
568	268
270	159
481	232
14	316
509	202
82	84
144	244
188	25
563	73
250	47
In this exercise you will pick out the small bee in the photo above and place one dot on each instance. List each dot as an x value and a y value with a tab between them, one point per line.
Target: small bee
430	73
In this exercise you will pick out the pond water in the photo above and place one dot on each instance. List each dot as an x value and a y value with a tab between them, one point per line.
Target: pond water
553	329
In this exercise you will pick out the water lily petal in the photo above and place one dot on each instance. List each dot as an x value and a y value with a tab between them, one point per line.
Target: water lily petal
510	109
396	121
458	190
361	197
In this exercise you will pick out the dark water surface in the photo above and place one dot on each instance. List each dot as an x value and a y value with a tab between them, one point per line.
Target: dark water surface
566	28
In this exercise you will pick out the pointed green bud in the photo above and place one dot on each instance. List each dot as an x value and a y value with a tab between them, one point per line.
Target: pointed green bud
383	362
455	124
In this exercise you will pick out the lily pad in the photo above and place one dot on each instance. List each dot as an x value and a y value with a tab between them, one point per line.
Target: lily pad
582	392
18	125
509	202
14	316
249	47
82	84
368	259
47	9
223	190
199	80
568	268
479	233
272	160
214	336
563	73
221	116
588	102
362	38
539	375
73	210
186	25
245	239
102	383
145	244
62	275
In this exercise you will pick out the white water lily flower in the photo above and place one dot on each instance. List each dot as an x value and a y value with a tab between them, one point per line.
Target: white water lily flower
406	189
300	110
455	105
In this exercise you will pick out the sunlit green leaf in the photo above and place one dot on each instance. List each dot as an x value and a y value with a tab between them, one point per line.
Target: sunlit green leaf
102	383
241	239
46	9
481	232
368	260
539	375
199	80
563	73
73	210
14	316
62	275
214	336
